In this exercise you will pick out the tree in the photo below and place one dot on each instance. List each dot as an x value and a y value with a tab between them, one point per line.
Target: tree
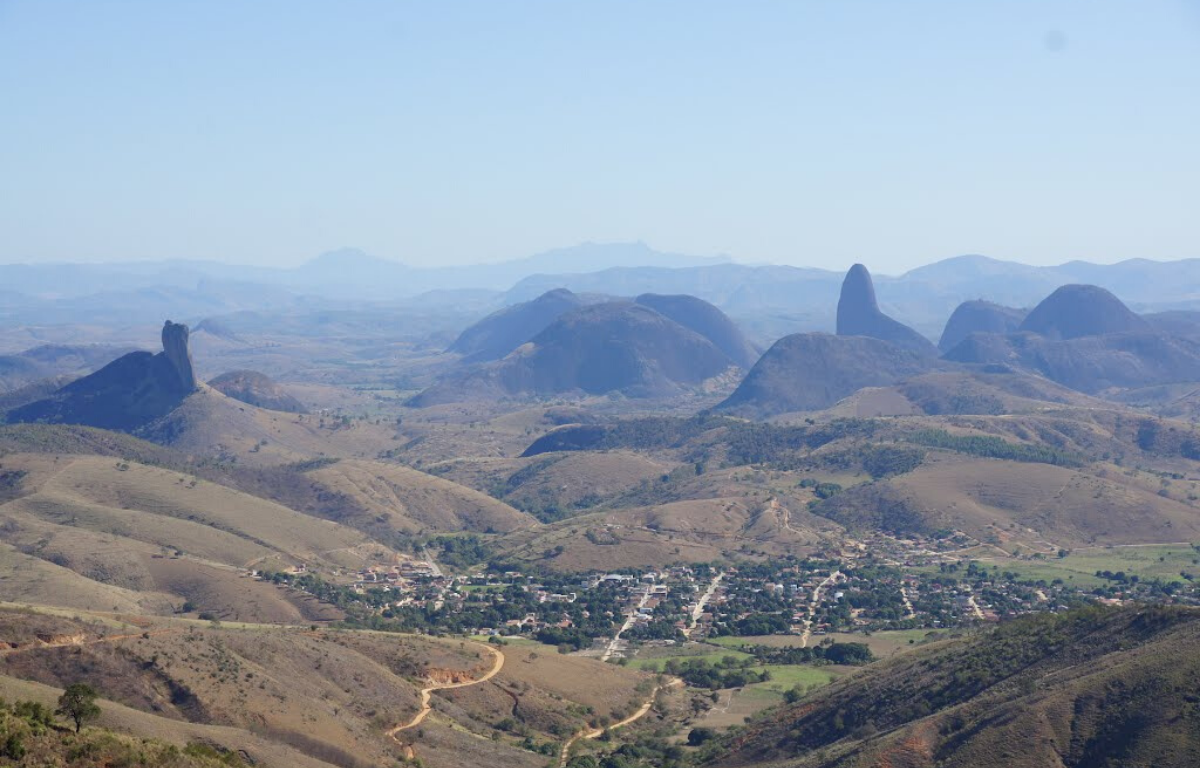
78	703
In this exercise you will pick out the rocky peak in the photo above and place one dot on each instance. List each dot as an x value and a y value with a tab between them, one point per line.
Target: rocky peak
858	314
857	300
175	349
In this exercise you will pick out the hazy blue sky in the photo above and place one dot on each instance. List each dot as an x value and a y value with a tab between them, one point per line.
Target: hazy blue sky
812	133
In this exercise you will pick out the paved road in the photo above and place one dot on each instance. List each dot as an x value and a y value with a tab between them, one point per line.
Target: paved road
698	611
829	581
611	648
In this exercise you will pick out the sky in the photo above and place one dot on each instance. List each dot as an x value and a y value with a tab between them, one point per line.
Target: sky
435	133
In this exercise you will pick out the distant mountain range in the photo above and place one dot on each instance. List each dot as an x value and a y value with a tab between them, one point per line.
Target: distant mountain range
344	273
769	302
802	298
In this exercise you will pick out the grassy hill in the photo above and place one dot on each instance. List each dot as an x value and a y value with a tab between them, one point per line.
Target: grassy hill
334	695
1060	476
1094	687
97	531
411	501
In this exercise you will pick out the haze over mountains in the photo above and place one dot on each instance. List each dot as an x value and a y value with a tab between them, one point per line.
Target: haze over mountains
769	298
612	346
358	476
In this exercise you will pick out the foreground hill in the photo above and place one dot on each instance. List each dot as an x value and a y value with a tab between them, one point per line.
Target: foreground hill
501	332
858	314
125	394
286	696
1092	687
26	734
811	371
611	347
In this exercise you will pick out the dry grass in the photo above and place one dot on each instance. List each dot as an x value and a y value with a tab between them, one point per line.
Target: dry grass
1006	502
412	501
331	694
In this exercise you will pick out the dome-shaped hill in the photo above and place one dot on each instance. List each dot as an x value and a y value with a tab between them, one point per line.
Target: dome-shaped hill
978	317
611	347
811	371
706	320
858	314
1073	311
256	389
501	332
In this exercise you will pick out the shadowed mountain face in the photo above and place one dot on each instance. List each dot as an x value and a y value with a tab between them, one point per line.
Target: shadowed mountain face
256	389
1074	311
810	371
858	314
979	317
611	347
125	394
706	320
501	332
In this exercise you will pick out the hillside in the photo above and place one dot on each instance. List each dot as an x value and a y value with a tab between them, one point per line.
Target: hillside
91	530
1092	687
27	735
340	697
610	347
812	371
408	501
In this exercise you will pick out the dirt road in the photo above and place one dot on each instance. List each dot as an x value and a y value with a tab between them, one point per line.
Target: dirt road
427	693
596	733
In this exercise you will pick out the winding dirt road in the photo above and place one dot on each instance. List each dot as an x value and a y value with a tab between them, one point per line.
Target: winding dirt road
596	733
427	693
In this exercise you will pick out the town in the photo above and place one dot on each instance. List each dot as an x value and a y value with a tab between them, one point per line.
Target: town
884	584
